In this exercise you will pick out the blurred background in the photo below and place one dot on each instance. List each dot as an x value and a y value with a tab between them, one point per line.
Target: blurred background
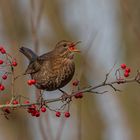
109	31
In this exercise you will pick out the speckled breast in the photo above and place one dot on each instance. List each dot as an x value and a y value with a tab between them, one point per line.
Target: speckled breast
54	76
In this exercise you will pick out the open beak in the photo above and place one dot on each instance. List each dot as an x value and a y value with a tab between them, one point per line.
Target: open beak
72	47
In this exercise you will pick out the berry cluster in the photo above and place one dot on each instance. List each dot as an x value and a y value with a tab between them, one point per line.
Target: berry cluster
79	95
31	82
34	111
126	70
58	114
7	110
6	62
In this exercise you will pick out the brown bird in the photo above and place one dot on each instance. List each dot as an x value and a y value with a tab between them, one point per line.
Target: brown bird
52	70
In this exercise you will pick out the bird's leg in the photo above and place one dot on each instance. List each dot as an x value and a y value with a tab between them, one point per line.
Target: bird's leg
64	93
65	96
40	98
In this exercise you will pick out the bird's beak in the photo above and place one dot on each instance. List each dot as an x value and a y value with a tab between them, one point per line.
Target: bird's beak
72	47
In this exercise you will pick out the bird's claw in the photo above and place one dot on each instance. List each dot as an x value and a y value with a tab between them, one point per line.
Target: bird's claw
66	97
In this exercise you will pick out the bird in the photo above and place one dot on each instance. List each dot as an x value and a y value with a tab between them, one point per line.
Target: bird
52	70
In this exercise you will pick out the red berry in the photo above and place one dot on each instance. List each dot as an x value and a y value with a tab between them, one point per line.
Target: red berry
126	74
7	110
33	81
33	106
37	114
29	82
127	70
75	83
15	102
26	102
58	114
33	112
123	66
78	95
43	109
3	51
2	87
32	109
4	77
67	114
29	110
1	61
14	63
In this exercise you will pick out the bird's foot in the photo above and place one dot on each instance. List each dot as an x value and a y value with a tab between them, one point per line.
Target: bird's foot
66	97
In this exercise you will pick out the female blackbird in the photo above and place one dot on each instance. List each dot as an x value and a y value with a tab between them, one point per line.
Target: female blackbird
52	70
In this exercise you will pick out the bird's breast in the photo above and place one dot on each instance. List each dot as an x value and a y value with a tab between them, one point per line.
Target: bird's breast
55	74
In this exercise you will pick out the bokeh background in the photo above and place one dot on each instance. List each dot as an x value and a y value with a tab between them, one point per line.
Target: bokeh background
110	33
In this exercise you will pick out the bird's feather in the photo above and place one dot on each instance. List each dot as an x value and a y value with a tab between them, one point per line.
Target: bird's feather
28	53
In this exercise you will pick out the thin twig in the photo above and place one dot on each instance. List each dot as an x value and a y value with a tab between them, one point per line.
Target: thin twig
106	78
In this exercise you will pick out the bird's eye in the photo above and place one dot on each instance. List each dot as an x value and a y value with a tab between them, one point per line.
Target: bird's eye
65	45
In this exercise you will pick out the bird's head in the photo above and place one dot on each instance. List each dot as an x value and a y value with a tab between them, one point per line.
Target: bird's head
66	48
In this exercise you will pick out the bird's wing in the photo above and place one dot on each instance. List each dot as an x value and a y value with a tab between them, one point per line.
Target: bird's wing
35	65
45	57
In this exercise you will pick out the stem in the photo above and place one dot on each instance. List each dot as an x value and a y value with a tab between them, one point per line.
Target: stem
12	84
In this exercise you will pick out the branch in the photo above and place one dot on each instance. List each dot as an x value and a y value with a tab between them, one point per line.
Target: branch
83	91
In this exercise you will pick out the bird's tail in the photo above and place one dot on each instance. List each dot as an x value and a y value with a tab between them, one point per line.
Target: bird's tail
28	53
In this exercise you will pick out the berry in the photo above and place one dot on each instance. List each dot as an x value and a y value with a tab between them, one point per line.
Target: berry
26	102
29	82
37	114
2	50
29	110
2	87
67	114
33	106
123	66
43	109
127	70
7	110
126	74
58	114
4	77
15	102
75	83
1	61
33	81
33	112
78	95
14	63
